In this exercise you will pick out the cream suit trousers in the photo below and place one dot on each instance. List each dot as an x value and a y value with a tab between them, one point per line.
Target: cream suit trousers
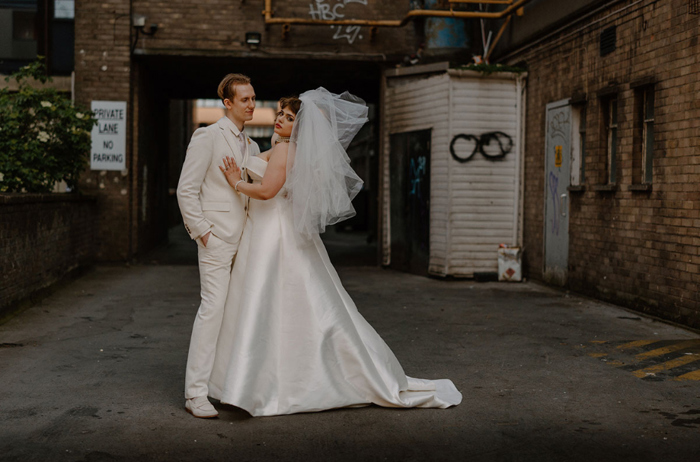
215	261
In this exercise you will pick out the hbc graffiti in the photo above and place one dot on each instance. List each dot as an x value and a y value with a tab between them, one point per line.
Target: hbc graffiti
326	10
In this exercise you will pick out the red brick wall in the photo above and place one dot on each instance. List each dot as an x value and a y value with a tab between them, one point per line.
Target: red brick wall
106	70
220	25
103	72
637	248
43	237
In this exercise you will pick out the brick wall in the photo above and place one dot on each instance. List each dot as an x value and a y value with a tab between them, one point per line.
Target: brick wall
640	249
221	25
43	237
213	33
103	72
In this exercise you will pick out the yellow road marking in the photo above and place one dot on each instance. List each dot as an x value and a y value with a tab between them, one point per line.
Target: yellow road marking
635	344
682	361
668	349
597	355
599	341
695	375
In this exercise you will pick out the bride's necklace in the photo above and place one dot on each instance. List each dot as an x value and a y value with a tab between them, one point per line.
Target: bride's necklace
282	140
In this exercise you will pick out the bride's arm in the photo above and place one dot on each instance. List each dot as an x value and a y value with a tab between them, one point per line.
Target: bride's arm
272	182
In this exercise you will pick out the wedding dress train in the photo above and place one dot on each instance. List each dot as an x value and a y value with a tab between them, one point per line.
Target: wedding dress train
292	339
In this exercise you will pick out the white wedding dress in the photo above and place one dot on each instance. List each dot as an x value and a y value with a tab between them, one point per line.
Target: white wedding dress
292	339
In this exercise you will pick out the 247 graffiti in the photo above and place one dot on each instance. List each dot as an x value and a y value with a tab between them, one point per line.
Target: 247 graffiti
330	10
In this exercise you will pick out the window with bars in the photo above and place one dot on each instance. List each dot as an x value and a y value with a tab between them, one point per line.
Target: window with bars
578	145
608	41
694	6
647	127
611	138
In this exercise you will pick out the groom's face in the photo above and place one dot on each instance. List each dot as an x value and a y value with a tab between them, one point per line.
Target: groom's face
243	104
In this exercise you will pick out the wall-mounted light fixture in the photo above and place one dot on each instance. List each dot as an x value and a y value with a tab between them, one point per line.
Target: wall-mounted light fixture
252	39
139	23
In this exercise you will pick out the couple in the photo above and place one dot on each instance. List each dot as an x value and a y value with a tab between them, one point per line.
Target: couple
276	332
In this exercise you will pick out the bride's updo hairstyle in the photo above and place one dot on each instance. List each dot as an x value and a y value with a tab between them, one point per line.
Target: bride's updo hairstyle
291	102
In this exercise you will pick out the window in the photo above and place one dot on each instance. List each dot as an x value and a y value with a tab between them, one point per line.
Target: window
23	25
19	34
64	9
647	134
578	145
608	41
611	138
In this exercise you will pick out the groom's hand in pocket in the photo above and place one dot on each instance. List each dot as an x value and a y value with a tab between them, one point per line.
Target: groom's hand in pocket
205	239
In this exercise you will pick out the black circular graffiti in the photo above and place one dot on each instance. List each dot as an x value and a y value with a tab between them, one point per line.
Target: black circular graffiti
504	141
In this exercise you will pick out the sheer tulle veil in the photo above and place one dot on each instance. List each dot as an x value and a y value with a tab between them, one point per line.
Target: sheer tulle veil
320	181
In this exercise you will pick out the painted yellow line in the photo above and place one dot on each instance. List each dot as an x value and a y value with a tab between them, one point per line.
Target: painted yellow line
682	361
636	344
599	341
669	349
597	355
695	375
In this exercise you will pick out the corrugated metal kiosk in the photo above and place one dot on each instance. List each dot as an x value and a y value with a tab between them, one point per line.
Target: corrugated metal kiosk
451	168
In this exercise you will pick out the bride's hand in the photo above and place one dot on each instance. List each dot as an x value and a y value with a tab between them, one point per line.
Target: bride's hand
231	170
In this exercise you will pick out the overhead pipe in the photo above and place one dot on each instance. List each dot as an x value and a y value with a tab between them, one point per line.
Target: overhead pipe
413	14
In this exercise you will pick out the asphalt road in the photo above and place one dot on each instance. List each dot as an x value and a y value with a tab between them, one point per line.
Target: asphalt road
95	372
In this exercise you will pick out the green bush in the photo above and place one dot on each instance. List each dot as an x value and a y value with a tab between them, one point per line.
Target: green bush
43	137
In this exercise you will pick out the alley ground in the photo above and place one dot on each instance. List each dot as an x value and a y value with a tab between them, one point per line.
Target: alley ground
95	373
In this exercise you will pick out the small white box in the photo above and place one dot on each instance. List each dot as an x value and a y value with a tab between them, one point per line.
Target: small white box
509	264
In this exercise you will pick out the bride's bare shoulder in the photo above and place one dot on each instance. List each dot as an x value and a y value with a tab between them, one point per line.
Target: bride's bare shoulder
280	149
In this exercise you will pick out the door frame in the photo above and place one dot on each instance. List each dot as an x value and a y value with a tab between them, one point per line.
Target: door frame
563	279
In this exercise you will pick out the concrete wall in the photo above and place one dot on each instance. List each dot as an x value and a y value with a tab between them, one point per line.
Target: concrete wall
43	237
639	248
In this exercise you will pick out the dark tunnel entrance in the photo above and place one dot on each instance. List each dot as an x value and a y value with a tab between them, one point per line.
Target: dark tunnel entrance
165	97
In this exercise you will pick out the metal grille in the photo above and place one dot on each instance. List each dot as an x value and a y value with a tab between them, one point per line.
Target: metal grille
694	6
608	41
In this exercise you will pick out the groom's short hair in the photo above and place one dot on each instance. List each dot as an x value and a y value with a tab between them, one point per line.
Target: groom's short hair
227	87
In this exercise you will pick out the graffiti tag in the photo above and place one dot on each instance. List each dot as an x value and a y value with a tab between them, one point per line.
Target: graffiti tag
554	191
559	126
416	174
325	10
503	144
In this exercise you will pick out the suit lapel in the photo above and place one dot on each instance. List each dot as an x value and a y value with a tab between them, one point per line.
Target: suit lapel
232	142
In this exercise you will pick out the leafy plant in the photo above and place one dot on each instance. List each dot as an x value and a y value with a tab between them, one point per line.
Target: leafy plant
43	137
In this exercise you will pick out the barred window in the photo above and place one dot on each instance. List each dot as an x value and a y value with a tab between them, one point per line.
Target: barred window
647	134
578	146
611	139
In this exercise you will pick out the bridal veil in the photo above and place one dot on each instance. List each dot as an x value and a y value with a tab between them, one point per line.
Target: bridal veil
320	181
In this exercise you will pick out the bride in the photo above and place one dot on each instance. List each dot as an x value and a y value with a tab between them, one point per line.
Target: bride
292	339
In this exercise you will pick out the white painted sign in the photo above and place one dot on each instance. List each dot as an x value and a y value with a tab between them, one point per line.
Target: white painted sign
109	136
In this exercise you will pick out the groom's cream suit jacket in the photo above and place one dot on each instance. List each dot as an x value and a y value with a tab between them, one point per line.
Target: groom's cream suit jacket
207	202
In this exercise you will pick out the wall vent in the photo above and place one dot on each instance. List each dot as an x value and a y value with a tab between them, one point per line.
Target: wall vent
608	39
694	6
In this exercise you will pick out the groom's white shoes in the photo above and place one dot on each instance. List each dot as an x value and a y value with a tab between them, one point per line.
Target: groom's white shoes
200	407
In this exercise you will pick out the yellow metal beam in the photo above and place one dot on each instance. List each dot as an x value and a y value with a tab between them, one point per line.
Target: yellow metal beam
498	37
413	14
492	2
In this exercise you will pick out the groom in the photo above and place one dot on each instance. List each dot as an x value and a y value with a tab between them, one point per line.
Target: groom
214	215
